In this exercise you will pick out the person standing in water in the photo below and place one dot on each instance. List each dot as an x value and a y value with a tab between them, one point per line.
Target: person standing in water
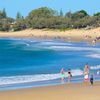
69	75
91	78
62	72
86	73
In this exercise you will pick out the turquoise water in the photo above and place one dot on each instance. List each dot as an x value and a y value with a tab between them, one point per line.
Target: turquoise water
28	62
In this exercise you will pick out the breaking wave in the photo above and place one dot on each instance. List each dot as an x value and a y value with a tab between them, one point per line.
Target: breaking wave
34	78
95	67
94	56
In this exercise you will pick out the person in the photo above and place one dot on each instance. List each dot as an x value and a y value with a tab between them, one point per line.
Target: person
62	72
91	79
86	68
86	77
94	42
86	73
69	75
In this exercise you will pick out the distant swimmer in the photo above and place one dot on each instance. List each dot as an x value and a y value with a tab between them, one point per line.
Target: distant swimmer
94	42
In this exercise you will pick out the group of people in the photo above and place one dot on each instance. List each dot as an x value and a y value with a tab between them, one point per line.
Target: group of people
94	41
69	74
87	77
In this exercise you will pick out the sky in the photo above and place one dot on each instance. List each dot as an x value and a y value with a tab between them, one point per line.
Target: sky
25	6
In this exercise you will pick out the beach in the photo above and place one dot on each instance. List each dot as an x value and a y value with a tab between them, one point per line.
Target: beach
48	51
29	62
59	92
23	54
68	35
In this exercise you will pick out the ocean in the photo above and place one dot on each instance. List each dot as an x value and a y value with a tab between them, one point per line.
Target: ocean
31	62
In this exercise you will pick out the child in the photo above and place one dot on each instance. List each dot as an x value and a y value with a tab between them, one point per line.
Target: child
69	75
91	79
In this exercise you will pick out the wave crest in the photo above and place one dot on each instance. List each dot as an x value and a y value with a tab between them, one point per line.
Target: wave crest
34	78
95	67
94	56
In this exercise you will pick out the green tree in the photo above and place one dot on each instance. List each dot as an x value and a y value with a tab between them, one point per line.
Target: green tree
97	14
38	16
61	13
68	14
4	13
18	16
79	14
42	12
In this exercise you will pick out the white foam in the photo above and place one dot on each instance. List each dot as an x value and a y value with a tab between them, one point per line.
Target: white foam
77	72
94	56
27	44
95	67
34	78
54	43
74	48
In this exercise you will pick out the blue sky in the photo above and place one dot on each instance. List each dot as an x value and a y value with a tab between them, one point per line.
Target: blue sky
25	6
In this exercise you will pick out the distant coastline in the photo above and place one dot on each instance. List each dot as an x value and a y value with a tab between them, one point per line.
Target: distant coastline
68	35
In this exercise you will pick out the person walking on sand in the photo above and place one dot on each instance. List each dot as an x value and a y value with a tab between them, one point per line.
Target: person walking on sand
69	75
86	73
62	72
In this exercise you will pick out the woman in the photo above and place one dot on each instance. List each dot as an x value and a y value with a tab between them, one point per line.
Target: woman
86	68
86	73
62	72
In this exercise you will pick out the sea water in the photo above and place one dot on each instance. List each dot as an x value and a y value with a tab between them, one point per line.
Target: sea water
30	62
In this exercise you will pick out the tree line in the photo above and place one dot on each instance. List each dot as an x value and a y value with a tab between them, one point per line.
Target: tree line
45	17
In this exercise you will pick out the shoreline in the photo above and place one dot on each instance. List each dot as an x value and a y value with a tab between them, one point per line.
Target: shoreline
75	35
71	91
39	84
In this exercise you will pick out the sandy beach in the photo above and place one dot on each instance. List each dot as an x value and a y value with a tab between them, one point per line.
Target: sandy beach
69	35
61	92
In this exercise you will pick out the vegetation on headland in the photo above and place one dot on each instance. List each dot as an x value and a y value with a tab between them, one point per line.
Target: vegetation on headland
48	18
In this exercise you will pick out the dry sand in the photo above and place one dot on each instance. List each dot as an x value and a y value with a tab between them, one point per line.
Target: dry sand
69	35
60	92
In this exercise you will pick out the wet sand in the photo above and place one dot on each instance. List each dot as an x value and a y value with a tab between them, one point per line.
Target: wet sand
60	92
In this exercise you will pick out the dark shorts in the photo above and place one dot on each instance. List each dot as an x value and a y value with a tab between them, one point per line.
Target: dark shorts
91	79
